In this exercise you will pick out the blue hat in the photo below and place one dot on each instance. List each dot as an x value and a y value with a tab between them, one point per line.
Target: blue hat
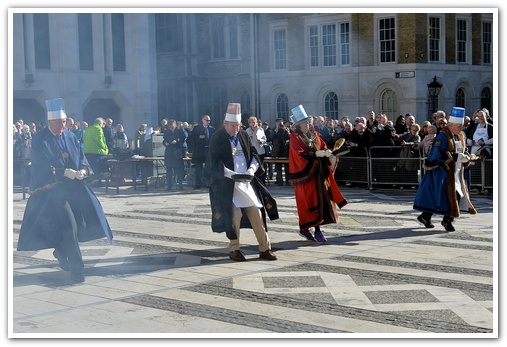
56	109
298	115
457	115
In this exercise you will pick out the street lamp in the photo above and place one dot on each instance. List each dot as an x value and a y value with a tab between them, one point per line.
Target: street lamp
434	89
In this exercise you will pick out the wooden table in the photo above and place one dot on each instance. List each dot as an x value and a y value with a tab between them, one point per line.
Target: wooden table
276	160
145	163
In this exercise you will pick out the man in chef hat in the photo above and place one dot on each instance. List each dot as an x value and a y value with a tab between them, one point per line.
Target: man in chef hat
235	192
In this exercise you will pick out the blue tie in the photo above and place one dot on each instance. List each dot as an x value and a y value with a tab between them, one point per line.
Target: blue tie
207	132
60	141
234	140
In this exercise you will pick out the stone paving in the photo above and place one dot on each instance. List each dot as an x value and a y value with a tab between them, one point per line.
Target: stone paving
167	274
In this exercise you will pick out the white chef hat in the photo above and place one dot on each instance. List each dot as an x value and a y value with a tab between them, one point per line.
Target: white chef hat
233	112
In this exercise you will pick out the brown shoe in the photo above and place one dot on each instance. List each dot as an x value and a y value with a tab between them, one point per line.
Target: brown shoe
237	255
268	255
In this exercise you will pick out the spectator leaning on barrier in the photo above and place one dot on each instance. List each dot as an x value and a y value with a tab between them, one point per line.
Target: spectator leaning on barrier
424	129
360	141
481	135
410	149
401	126
444	187
383	136
371	121
427	141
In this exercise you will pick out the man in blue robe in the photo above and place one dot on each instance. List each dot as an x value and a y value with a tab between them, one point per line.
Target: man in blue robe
444	187
62	210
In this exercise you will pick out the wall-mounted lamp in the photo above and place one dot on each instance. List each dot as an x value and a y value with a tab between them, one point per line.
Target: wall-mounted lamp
422	55
406	55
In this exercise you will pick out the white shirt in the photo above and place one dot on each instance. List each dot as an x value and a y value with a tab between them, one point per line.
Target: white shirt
258	138
244	194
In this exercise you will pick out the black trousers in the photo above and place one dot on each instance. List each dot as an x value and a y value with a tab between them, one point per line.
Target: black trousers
176	168
97	162
198	175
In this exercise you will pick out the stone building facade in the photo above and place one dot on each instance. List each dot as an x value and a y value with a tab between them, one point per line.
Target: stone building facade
142	67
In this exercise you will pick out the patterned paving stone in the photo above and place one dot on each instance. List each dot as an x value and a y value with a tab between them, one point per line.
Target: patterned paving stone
379	271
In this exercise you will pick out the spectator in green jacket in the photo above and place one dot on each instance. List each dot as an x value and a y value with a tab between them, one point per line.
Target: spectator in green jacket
95	147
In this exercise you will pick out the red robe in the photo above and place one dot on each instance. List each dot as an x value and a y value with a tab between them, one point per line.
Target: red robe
317	193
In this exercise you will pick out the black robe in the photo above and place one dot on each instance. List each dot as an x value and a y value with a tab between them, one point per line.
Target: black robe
222	188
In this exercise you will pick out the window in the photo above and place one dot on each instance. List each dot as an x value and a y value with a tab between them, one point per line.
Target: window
280	49
233	36
345	43
282	107
460	100
486	101
461	41
313	39
329	44
168	35
118	28
84	23
331	105
224	35
389	104
387	40
218	47
41	40
486	42
323	44
434	39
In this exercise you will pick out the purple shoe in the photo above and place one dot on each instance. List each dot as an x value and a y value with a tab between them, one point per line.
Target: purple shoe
319	237
306	234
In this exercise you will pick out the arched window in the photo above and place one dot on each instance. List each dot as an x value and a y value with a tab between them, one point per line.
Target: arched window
331	105
486	101
282	106
460	100
389	104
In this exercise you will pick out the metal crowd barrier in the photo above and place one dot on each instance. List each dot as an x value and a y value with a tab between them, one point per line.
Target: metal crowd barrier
354	169
383	166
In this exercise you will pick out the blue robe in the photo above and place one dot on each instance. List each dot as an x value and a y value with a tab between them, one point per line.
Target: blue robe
437	190
42	221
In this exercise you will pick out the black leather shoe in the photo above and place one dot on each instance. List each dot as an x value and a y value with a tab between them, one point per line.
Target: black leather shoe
63	262
425	222
268	255
448	225
77	276
237	255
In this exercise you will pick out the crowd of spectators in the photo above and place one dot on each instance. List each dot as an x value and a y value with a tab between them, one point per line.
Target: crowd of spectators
403	138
